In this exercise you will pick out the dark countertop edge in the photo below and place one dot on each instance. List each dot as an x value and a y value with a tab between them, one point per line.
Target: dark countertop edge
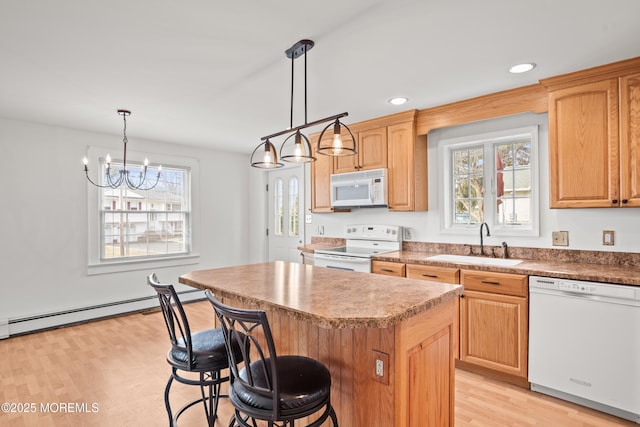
565	270
334	323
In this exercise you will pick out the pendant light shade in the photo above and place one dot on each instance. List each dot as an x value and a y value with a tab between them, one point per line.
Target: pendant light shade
296	147
341	143
297	152
267	158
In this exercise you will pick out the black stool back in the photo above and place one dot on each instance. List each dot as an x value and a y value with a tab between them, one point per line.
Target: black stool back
266	386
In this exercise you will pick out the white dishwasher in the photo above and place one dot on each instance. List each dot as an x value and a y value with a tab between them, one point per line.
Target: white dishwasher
584	343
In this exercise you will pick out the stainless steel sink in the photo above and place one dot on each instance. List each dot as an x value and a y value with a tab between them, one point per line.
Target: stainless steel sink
500	262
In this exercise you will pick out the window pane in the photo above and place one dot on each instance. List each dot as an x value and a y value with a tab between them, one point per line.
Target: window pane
278	206
468	184
513	183
294	215
146	223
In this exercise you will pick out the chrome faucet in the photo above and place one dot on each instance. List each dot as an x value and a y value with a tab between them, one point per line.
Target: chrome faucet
485	225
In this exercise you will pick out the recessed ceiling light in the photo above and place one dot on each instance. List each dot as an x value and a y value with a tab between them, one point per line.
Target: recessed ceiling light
398	100
522	68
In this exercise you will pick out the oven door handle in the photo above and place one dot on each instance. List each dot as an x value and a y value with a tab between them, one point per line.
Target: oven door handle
355	260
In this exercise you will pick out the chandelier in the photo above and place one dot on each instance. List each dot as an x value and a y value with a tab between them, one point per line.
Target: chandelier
296	147
119	177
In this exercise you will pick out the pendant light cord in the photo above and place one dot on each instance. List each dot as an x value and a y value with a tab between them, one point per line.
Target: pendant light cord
291	113
305	85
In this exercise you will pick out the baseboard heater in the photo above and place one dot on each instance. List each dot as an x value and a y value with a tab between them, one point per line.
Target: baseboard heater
18	326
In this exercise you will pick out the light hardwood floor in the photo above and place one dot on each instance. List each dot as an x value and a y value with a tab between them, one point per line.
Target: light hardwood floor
117	369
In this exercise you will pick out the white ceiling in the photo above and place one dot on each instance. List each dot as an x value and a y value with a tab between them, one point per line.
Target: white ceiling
214	73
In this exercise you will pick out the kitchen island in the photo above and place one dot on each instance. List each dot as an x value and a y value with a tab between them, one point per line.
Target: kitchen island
354	323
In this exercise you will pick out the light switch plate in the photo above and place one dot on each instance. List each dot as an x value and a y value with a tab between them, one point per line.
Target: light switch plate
607	237
560	238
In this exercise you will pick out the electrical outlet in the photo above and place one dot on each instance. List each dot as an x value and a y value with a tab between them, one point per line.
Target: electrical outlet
607	237
560	238
407	233
381	368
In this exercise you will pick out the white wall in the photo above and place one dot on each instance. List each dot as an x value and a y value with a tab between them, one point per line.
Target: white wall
584	225
43	254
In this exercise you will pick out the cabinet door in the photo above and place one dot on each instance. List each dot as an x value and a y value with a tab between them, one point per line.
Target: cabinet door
583	145
493	332
372	148
401	167
343	164
321	171
372	152
630	140
388	268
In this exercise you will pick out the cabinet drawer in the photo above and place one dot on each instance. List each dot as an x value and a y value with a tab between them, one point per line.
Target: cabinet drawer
436	274
388	268
497	283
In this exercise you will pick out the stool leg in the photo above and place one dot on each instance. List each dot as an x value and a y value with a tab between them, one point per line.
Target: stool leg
166	399
334	417
207	400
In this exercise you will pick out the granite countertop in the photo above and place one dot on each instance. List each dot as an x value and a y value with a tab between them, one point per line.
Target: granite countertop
606	267
326	297
620	274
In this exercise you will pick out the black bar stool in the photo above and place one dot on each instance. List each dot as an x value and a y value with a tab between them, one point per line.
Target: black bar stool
202	352
268	387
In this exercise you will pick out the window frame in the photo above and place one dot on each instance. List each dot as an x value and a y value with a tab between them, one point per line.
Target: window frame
488	141
95	263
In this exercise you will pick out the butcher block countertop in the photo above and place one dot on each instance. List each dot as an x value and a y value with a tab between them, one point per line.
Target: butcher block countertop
326	297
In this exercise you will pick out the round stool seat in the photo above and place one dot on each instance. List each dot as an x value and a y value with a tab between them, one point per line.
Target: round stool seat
303	383
208	350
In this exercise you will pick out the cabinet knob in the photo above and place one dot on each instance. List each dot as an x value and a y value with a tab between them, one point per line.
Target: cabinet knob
614	202
624	200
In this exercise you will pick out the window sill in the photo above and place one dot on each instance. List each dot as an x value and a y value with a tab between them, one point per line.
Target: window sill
141	264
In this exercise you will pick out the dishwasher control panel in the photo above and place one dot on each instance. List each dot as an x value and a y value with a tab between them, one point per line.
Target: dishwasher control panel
585	288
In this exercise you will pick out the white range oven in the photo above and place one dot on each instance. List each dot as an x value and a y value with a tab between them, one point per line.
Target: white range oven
362	242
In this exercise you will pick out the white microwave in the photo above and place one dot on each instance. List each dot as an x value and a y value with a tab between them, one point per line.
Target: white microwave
359	189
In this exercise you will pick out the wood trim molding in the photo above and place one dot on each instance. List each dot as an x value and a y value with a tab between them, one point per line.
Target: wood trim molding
602	72
531	98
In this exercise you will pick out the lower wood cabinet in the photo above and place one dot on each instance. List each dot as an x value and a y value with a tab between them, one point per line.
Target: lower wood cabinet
389	268
494	323
446	275
435	274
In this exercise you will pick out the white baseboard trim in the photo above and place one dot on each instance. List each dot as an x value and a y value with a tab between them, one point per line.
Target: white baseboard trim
18	326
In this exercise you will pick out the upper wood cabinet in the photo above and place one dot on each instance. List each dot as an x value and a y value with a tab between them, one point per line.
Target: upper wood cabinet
594	137
372	152
583	145
386	142
321	171
630	140
407	163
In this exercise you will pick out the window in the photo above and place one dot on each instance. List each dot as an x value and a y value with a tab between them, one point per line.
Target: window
133	230
294	215
142	229
278	206
491	178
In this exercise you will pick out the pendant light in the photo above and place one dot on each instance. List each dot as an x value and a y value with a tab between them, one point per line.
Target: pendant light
296	147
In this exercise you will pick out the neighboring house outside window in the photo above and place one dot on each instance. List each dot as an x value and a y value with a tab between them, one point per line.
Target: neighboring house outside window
147	223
